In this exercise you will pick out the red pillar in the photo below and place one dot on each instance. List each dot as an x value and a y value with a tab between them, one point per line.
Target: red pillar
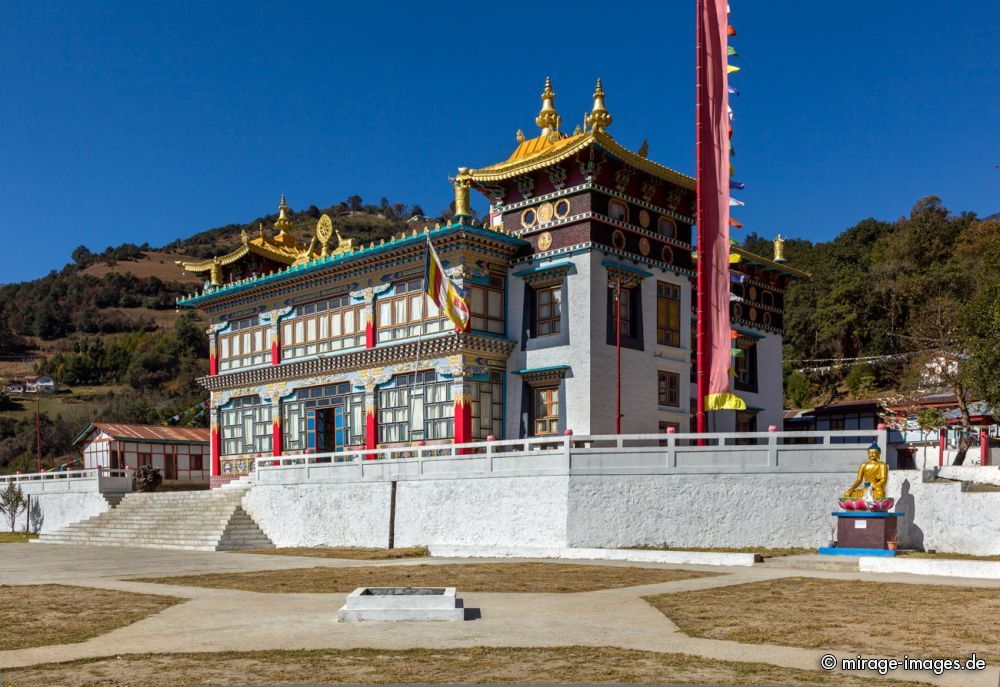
941	440
370	328
276	433
213	358
215	447
371	427
275	348
463	422
984	446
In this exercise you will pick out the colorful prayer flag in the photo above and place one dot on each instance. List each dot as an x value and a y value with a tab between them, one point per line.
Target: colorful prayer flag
443	292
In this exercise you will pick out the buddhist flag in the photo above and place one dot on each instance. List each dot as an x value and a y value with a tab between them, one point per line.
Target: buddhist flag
443	292
713	209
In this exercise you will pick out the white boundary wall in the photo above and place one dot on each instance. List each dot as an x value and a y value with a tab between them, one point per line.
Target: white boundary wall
58	499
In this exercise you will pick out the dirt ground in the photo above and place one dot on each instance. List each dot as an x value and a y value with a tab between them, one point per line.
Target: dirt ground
559	665
352	554
40	615
924	621
473	577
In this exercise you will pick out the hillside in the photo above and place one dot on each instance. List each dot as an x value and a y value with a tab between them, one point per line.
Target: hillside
107	329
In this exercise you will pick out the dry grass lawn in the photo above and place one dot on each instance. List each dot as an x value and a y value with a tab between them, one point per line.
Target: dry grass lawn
868	617
352	554
561	665
947	556
40	615
15	537
472	577
763	553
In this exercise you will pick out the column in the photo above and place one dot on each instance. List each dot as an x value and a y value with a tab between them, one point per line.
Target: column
213	346
461	392
273	319
371	420
215	445
277	435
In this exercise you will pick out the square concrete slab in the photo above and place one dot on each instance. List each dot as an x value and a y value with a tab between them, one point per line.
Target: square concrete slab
388	604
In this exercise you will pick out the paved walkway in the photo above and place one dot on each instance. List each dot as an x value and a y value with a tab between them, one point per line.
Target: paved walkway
226	620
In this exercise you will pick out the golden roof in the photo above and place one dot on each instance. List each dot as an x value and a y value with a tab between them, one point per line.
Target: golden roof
543	151
552	146
281	248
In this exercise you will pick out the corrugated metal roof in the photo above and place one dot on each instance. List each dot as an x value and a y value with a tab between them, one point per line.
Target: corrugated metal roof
149	432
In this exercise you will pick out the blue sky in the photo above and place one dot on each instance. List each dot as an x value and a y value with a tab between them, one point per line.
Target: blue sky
147	121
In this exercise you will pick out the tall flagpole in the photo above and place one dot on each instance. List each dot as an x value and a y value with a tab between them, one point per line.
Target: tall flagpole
702	296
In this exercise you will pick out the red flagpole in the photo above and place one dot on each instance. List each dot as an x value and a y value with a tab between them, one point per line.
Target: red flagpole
618	356
702	296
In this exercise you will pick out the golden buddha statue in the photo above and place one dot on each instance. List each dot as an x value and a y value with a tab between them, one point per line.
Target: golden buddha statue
872	475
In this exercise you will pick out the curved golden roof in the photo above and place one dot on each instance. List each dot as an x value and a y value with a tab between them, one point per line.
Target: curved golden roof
546	150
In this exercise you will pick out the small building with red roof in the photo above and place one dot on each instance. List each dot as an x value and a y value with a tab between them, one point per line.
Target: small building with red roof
180	453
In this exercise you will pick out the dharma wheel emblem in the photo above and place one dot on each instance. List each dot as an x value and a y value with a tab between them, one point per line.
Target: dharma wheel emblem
545	212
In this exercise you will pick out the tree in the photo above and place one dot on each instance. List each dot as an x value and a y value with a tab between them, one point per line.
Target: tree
12	502
354	203
146	478
80	255
981	320
798	391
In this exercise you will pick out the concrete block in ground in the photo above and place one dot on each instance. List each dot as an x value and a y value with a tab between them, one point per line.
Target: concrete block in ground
401	603
635	555
944	567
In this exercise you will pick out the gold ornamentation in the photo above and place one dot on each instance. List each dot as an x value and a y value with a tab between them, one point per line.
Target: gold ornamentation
463	205
544	240
545	212
562	208
644	219
779	249
324	232
643	149
753	314
618	239
644	245
599	117
519	136
548	118
528	218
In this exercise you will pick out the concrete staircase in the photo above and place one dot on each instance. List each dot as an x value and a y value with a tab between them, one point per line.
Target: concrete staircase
194	520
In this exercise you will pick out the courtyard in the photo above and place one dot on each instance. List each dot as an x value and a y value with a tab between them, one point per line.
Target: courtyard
231	619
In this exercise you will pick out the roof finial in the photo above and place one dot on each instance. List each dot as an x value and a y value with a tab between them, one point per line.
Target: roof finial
779	249
599	117
283	224
548	119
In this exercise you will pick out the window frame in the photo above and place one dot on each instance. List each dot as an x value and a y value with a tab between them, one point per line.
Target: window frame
547	396
668	388
554	318
668	306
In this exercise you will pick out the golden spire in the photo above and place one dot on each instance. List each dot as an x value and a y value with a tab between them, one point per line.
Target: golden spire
548	119
283	224
599	117
463	207
779	249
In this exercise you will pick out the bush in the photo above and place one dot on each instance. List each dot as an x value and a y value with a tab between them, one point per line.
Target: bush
147	478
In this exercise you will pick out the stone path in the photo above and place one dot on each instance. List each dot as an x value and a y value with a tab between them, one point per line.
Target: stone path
227	620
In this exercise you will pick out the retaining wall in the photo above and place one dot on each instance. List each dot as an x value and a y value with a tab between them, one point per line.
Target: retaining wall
52	511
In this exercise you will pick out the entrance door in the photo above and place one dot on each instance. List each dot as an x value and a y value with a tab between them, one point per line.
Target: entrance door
327	429
169	466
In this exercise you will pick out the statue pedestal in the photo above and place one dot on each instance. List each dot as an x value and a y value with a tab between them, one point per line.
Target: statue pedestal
863	533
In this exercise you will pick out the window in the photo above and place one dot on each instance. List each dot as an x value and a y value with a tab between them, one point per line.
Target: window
245	343
246	426
409	312
546	410
667	227
196	463
417	407
486	303
745	365
669	389
340	398
329	325
548	309
618	210
144	459
746	421
630	317
487	407
668	314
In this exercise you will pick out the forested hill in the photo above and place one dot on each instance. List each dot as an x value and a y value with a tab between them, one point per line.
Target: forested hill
887	298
